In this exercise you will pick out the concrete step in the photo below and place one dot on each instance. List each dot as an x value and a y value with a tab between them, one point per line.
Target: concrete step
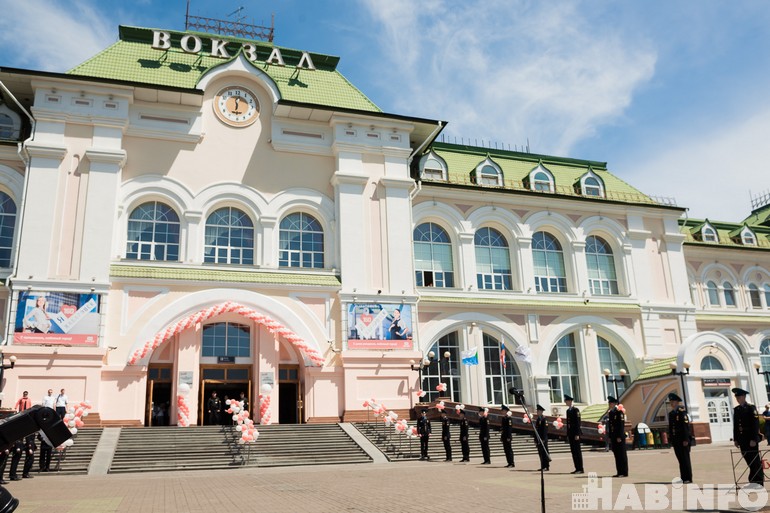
75	459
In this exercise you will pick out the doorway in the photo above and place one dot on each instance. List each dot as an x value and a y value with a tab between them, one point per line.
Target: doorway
720	414
158	399
289	392
228	382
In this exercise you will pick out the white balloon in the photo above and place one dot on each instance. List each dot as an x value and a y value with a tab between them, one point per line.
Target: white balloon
69	443
183	389
235	417
85	414
227	402
266	388
241	441
71	423
255	434
238	428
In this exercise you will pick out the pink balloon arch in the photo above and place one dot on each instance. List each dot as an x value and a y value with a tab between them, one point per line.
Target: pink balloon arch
197	318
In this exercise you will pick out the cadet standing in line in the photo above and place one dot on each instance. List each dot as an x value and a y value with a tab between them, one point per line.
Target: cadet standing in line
213	406
746	435
506	436
484	436
679	436
445	436
466	448
541	426
616	432
29	455
573	434
424	430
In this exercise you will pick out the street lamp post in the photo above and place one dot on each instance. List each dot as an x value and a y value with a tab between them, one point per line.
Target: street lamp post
3	368
682	374
615	380
764	373
420	366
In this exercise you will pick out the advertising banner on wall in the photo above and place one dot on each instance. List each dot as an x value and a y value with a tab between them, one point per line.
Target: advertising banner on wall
379	326
61	318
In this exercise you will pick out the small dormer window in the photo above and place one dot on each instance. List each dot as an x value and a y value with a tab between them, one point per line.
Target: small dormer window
748	238
591	185
709	234
433	168
10	124
488	173
541	180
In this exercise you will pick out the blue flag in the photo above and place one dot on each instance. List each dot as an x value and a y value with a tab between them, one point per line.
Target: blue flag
471	356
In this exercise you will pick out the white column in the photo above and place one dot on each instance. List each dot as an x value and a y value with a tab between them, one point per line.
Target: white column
194	240
467	262
526	265
580	267
349	181
592	377
397	230
267	250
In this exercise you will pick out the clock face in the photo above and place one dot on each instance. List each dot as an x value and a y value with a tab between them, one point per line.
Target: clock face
236	106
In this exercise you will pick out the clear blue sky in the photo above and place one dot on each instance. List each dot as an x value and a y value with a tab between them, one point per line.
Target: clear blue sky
673	95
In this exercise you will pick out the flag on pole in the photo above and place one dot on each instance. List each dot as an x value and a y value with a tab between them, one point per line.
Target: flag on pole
471	356
502	354
523	354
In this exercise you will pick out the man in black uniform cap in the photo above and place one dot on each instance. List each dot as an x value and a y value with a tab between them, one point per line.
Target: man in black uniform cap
466	448
484	436
616	432
746	435
679	436
573	434
213	406
445	435
424	430
541	425
506	436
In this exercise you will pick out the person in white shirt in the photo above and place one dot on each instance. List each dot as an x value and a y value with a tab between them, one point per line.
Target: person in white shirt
49	401
61	404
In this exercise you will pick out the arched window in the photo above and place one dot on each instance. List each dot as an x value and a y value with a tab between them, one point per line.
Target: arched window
591	185
601	267
748	237
711	363
563	369
433	256
432	167
709	234
764	359
754	297
449	372
609	358
489	176
713	293
502	373
229	237
550	275
7	227
301	242
493	262
226	339
729	293
767	296
541	181
153	233
7	130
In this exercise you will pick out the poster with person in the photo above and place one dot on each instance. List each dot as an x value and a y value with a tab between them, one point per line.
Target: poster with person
379	326
57	318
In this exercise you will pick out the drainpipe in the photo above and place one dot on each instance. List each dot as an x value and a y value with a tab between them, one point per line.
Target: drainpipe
23	201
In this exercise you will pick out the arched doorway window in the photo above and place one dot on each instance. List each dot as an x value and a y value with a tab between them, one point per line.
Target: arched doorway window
501	372
563	369
433	256
711	363
229	237
450	370
226	339
609	358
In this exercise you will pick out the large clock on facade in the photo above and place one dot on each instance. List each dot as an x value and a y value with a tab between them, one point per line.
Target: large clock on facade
236	106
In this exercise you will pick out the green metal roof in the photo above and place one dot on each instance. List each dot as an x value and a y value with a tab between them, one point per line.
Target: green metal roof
574	304
657	369
462	160
133	59
728	234
222	275
594	412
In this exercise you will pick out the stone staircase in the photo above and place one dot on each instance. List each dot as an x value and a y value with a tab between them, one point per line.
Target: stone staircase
216	447
397	447
75	459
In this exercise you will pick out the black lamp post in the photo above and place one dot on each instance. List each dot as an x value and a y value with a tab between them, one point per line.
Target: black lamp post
764	373
3	368
420	366
447	354
682	374
614	380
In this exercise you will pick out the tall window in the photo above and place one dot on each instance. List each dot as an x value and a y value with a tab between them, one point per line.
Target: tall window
226	339
7	226
764	358
493	263
601	267
229	237
433	256
450	370
729	293
713	293
767	296
563	369
549	263
301	242
499	379
756	300
609	358
711	363
153	233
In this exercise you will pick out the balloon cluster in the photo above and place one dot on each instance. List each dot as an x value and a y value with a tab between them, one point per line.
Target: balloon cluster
441	387
264	405
182	408
243	424
558	423
485	413
459	407
622	409
377	409
421	393
600	429
74	420
525	419
440	406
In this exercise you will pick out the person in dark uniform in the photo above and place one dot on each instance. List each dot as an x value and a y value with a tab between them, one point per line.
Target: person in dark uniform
29	455
466	448
616	432
541	425
573	434
746	435
506	436
445	435
213	407
679	436
424	430
245	401
484	436
46	451
3	462
17	450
